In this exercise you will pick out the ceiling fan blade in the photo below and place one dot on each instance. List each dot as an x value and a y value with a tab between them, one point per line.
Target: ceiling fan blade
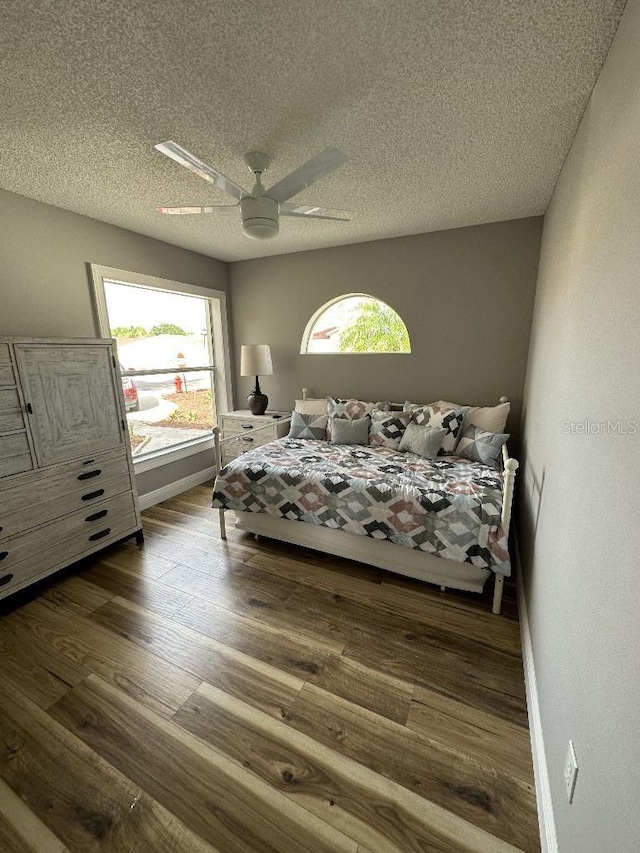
304	176
203	170
314	212
314	216
186	211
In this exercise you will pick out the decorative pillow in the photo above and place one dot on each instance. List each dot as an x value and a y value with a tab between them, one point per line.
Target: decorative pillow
439	418
387	428
420	412
308	426
349	430
415	408
422	440
489	418
352	409
420	415
481	446
312	407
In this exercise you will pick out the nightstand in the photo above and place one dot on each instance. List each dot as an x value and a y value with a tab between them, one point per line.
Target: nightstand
244	425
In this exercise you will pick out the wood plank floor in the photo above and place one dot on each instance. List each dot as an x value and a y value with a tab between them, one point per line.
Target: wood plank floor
252	697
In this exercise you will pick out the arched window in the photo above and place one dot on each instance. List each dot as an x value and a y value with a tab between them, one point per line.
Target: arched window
355	323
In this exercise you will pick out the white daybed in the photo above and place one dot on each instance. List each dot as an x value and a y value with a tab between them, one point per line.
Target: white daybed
406	561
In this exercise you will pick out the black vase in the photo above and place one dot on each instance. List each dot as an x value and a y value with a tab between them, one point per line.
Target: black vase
257	401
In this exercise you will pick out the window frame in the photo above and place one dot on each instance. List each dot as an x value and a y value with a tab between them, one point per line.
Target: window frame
306	336
218	321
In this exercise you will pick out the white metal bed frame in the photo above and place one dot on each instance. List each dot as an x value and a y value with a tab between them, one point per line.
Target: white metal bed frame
379	553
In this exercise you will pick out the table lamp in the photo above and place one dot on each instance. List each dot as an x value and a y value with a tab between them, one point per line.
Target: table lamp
255	360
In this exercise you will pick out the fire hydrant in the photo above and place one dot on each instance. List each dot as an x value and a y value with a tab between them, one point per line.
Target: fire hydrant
178	384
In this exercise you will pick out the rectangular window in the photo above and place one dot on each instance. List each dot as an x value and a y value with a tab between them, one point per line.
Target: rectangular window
173	357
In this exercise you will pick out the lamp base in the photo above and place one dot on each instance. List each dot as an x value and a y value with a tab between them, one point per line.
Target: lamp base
257	403
257	400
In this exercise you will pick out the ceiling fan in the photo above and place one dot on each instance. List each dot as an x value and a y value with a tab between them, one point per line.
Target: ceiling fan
261	208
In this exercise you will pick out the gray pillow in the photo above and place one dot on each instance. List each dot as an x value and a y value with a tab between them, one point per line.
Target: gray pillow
349	431
308	426
422	440
481	446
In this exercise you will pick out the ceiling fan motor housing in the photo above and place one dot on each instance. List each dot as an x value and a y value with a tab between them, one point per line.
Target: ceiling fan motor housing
260	219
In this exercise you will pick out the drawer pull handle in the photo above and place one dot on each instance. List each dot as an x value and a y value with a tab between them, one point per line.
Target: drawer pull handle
247	426
89	462
5	579
247	438
100	535
91	495
3	554
96	515
89	474
29	408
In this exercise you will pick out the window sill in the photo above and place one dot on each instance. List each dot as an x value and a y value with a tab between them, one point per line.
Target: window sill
173	454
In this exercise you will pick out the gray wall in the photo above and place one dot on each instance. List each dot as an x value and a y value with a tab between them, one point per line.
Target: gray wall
582	492
466	296
44	284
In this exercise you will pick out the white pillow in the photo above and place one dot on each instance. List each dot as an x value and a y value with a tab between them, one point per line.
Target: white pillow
313	407
489	418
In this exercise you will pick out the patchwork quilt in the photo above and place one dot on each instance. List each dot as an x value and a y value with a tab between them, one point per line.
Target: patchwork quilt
448	507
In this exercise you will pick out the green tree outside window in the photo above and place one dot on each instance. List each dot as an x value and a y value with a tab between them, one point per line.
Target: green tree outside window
374	327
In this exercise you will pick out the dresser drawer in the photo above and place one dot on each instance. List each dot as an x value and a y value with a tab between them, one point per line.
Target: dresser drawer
62	553
15	454
48	510
6	369
11	417
71	487
85	528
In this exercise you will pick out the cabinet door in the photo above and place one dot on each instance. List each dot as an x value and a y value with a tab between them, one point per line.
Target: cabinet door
71	399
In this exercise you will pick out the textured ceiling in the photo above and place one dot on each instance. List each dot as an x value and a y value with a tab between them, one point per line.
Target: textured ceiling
452	112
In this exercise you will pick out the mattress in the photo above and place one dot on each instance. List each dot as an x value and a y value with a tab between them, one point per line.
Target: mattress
448	507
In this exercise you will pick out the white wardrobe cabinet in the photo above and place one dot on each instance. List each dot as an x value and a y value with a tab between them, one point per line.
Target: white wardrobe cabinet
67	486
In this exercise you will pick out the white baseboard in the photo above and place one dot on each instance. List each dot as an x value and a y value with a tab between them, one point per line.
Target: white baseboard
176	488
546	820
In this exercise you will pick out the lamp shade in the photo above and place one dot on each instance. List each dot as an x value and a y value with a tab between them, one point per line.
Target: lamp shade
255	360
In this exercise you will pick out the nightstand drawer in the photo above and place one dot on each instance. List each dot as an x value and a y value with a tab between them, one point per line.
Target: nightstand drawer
245	443
250	431
248	440
231	452
244	422
231	426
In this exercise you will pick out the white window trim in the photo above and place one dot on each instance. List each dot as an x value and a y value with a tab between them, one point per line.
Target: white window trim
173	454
221	355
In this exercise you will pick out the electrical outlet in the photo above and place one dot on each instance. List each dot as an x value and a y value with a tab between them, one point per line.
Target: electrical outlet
570	771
